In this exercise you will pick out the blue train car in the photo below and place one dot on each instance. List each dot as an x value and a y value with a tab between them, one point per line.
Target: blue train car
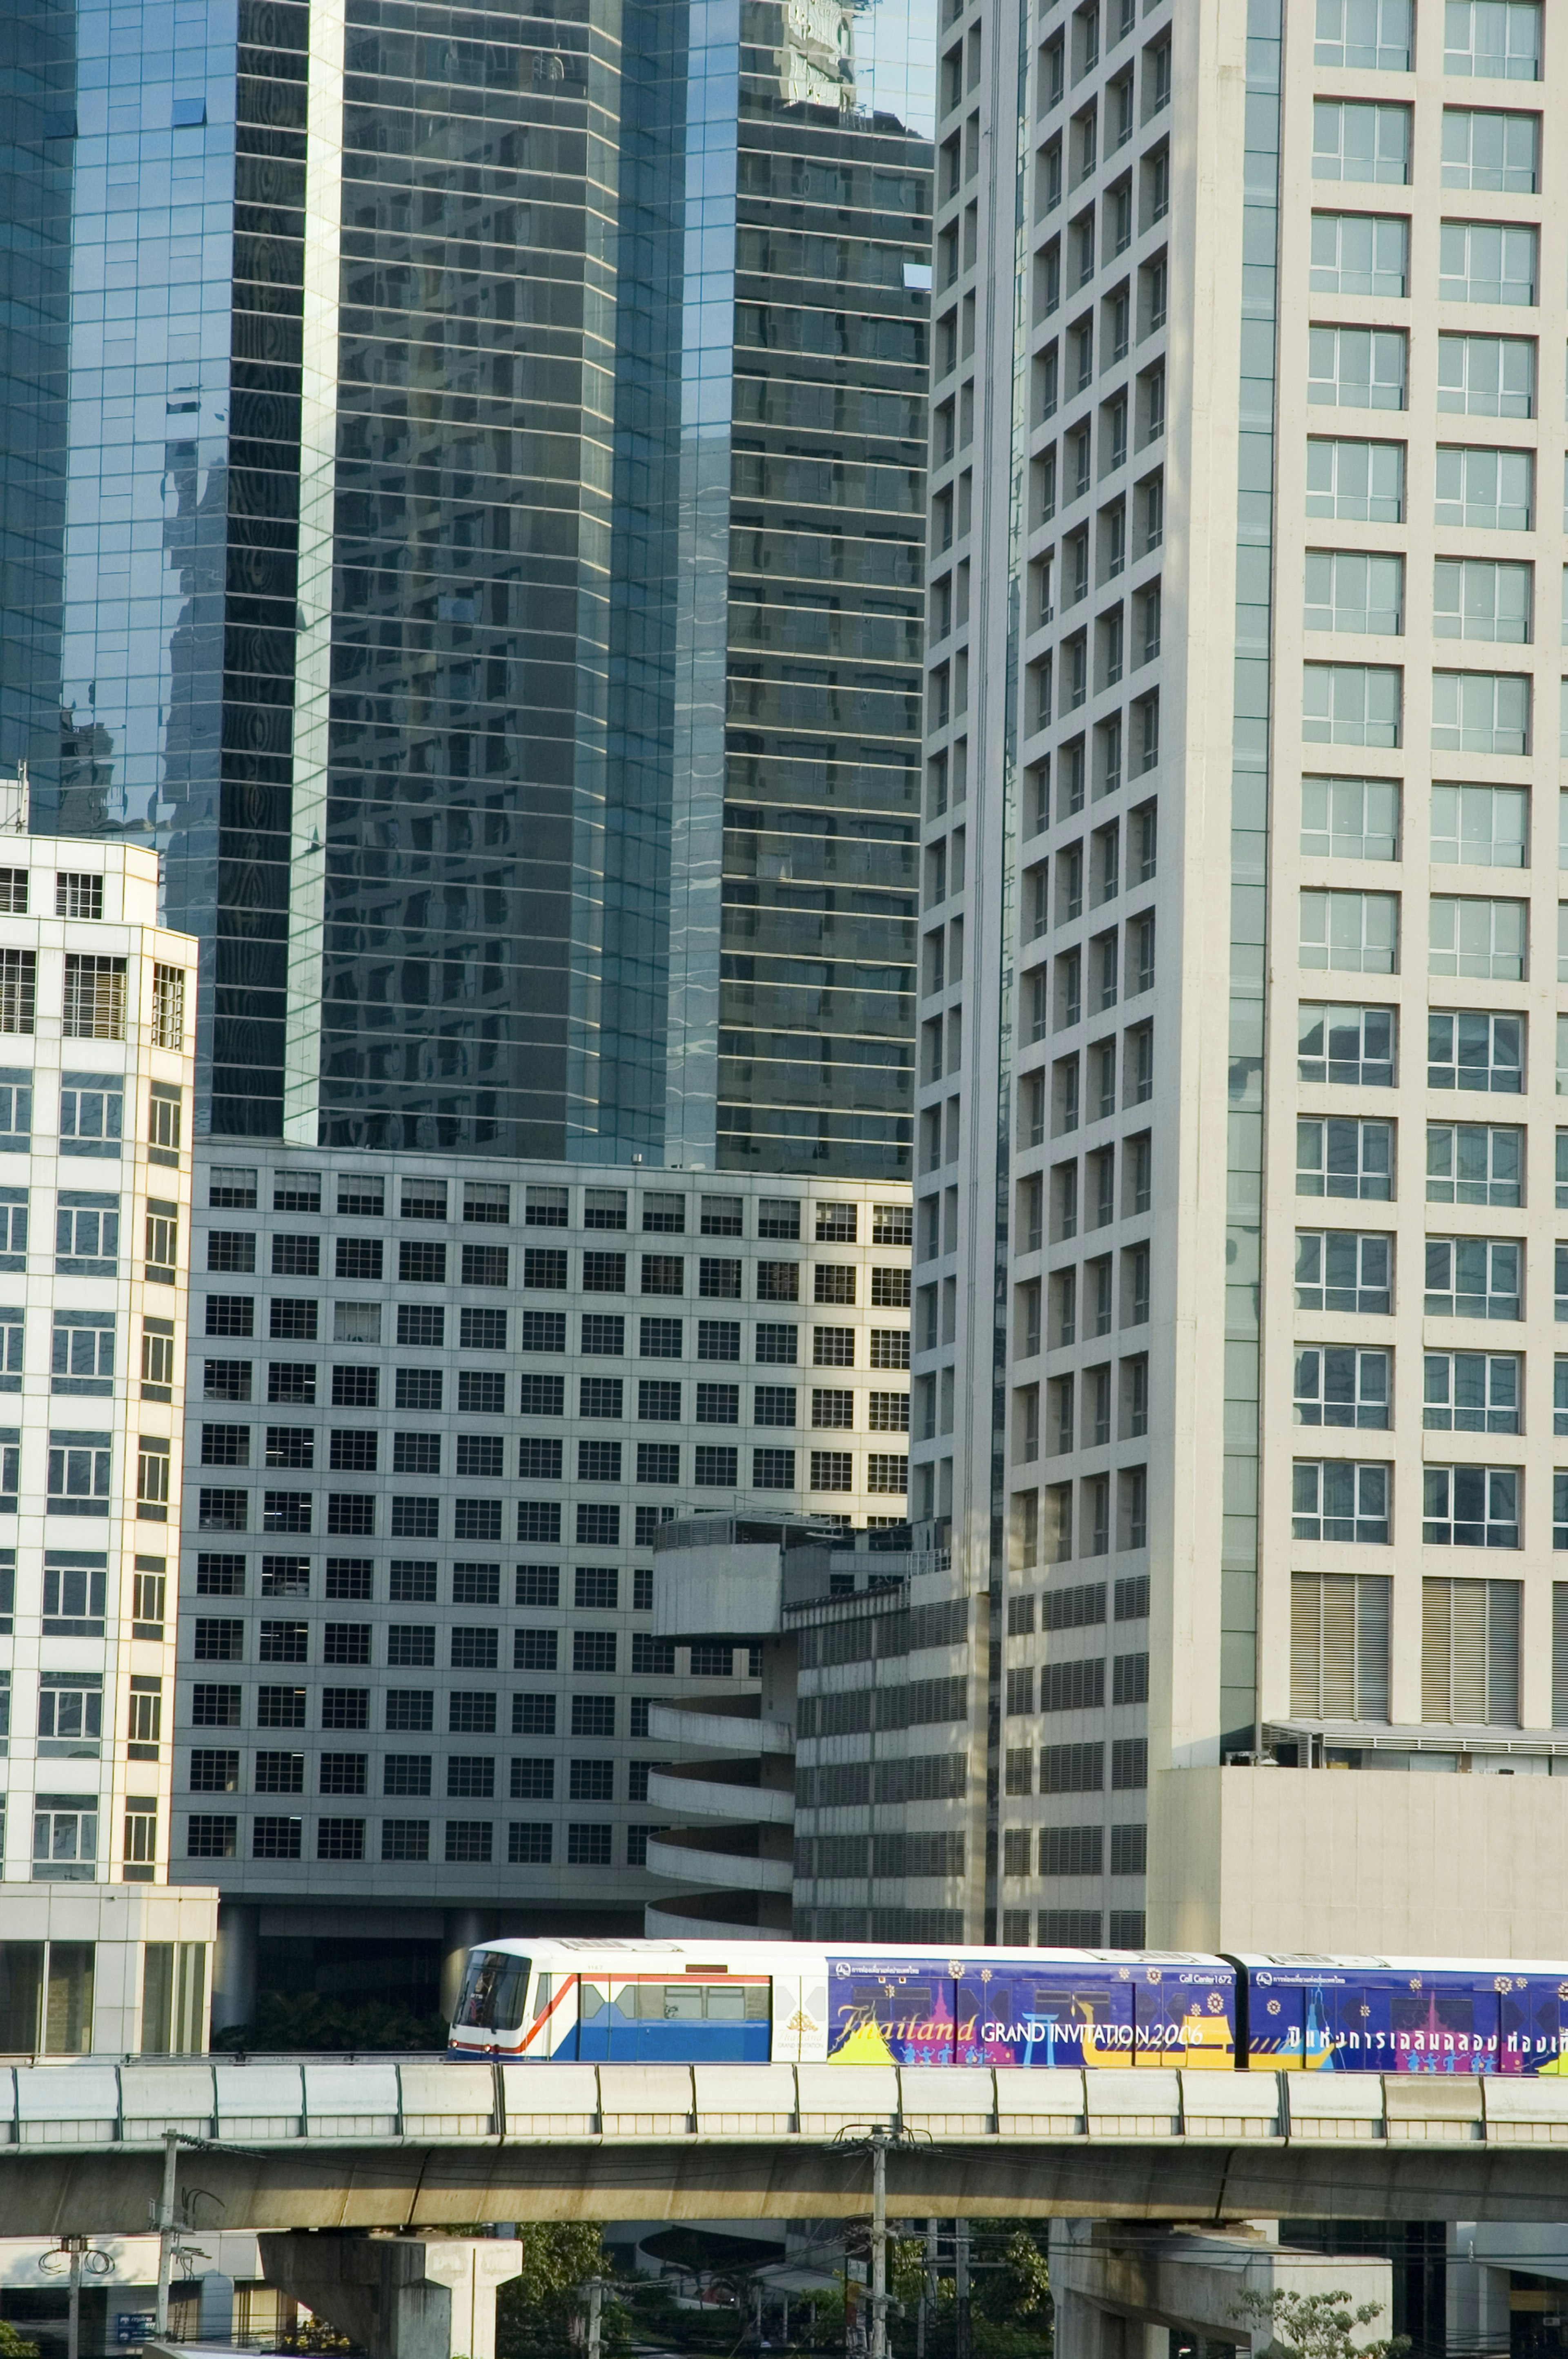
1404	2014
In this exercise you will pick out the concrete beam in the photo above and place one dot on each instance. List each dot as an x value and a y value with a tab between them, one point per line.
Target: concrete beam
45	2192
398	2297
1112	2290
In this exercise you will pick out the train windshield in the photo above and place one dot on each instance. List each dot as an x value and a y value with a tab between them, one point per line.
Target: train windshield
495	1988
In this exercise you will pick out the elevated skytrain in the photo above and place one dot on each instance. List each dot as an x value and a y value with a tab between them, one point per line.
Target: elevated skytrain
850	2002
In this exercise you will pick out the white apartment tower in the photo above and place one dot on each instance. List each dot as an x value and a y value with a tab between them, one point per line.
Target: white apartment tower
97	1011
1236	1377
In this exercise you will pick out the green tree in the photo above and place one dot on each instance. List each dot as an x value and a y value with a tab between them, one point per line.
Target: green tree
1317	2325
14	2346
541	2314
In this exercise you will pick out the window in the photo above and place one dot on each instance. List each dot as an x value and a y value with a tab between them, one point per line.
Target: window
1337	1499
292	1320
1350	819
92	1113
1486	262
1477	598
1351	704
152	1480
162	1238
1341	1155
84	1351
18	990
1472	1277
1341	1384
1351	1045
1492	489
77	1474
1362	482
1483	827
1353	932
1471	936
1485	148
65	1850
1470	1639
1359	254
87	1235
1356	368
1359	141
773	1469
774	1404
1468	1050
1480	712
603	1335
1338	1270
1474	1163
1498	39
1373	36
1487	377
94	1007
1339	1646
1471	1392
717	1465
719	1339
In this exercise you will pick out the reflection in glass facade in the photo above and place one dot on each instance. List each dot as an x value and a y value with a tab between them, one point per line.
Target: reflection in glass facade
827	540
464	504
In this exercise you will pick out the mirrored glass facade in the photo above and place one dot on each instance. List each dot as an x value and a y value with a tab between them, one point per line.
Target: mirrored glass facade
464	507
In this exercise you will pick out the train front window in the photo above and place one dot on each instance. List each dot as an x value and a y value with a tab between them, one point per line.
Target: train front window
494	1989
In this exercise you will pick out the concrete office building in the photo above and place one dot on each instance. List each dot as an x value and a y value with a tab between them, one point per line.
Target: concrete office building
436	1421
95	1152
1237	1387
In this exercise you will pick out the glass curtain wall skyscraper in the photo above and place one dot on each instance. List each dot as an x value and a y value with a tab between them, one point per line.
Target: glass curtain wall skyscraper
467	512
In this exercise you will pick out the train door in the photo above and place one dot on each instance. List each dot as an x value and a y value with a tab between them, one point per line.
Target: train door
1445	2025
1072	2016
888	2014
1531	2026
1182	2018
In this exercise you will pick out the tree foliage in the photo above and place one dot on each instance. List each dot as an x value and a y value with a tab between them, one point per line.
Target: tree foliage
541	2314
1318	2325
14	2346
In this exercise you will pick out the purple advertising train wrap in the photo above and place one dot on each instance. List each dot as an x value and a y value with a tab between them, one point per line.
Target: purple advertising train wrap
1042	2010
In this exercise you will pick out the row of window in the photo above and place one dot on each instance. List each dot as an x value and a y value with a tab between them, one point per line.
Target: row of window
1472	712
1461	1507
1351	1384
1078	1768
600	1335
470	1777
1078	1686
1075	1851
1492	148
713	1465
355	1450
87	1235
1080	1305
1470	1633
1477	377
78	1470
1480	827
407	1712
65	1840
413	1582
1496	39
93	998
462	1841
1466	1049
1112	1513
1485	598
91	1114
1081	1409
364	1196
81	1351
414	1648
1075	1929
1469	935
1081	1087
546	1269
1466	1162
1478	261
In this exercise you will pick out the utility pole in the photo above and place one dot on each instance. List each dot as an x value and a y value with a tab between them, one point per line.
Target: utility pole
961	2289
928	2297
595	2302
878	2252
164	2225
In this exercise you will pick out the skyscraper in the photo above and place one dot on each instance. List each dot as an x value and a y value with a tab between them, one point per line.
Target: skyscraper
1236	1385
467	513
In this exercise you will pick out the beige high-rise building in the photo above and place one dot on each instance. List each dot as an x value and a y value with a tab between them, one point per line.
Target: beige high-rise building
1239	1390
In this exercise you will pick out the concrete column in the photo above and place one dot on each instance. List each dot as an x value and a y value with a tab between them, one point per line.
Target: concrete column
398	2297
1079	2329
234	1965
462	1931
